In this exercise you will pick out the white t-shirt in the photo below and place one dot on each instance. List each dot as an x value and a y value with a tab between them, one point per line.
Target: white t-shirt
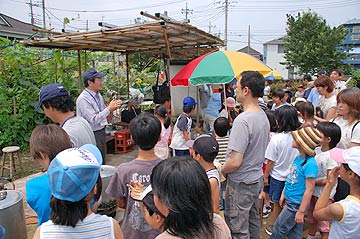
324	163
326	104
280	151
79	131
348	227
347	134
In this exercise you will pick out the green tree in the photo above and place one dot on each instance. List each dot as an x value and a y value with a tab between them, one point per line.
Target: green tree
312	45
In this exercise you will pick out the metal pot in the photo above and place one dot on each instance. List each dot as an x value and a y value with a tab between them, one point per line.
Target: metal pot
12	216
106	174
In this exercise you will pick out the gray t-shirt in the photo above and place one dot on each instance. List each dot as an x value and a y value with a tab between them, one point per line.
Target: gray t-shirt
134	224
79	131
249	136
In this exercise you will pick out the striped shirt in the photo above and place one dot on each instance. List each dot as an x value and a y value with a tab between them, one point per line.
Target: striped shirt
223	144
93	226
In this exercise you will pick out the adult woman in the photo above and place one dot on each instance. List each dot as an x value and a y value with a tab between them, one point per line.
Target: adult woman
348	120
46	141
348	117
182	194
327	101
73	175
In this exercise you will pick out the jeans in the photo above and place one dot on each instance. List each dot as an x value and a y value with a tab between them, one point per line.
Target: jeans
285	224
221	194
241	209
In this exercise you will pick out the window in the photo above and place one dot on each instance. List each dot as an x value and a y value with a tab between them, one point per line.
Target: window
281	49
355	37
356	29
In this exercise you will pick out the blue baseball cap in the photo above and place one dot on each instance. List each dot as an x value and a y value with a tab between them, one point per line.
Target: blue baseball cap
189	101
50	91
91	74
73	172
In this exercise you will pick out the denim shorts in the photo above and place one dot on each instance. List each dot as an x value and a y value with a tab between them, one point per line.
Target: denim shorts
276	188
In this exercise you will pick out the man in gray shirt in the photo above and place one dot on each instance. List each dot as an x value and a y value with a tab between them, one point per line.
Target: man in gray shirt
58	105
91	106
245	155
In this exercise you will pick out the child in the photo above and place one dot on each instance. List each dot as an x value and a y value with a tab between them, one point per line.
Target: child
306	112
289	93
73	176
204	150
162	147
330	136
299	185
46	141
182	194
345	213
265	192
280	155
182	128
221	128
278	99
152	215
145	130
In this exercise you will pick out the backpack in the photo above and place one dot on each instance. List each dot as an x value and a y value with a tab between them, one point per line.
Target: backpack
161	92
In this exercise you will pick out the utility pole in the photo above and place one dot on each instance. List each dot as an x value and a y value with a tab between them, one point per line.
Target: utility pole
211	26
226	22
186	11
43	9
248	49
32	13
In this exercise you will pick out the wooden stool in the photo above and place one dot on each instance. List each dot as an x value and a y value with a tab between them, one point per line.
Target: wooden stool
123	142
10	150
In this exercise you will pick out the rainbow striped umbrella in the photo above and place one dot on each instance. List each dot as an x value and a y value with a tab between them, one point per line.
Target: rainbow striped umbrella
219	67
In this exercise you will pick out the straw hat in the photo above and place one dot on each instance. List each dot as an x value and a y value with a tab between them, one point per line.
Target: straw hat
307	138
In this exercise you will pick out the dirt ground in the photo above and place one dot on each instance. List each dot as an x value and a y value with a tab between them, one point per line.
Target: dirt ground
33	169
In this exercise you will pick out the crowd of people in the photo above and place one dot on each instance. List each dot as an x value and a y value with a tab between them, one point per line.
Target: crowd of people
299	161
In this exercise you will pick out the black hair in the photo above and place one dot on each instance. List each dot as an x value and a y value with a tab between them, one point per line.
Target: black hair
161	111
188	109
86	82
148	202
145	130
306	109
68	213
279	93
254	81
288	85
189	200
332	130
307	77
62	103
287	119
339	71
270	114
221	126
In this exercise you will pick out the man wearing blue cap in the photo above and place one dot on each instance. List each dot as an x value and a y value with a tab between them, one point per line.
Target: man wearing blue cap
58	105
182	128
91	106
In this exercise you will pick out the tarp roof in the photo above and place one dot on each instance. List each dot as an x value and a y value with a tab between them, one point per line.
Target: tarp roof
177	40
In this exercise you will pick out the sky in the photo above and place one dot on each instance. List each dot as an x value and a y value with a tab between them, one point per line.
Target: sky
266	18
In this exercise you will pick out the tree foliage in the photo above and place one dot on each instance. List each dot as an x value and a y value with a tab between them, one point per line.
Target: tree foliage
312	45
24	71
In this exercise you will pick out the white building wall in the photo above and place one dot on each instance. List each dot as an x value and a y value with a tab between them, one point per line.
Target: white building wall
273	59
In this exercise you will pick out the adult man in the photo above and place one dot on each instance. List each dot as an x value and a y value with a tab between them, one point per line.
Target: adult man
336	76
245	155
58	105
90	105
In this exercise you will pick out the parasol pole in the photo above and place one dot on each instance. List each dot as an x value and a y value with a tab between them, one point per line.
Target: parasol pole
224	96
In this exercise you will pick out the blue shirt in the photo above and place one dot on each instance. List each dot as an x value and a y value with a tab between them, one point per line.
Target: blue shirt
91	106
314	97
214	105
38	196
295	184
